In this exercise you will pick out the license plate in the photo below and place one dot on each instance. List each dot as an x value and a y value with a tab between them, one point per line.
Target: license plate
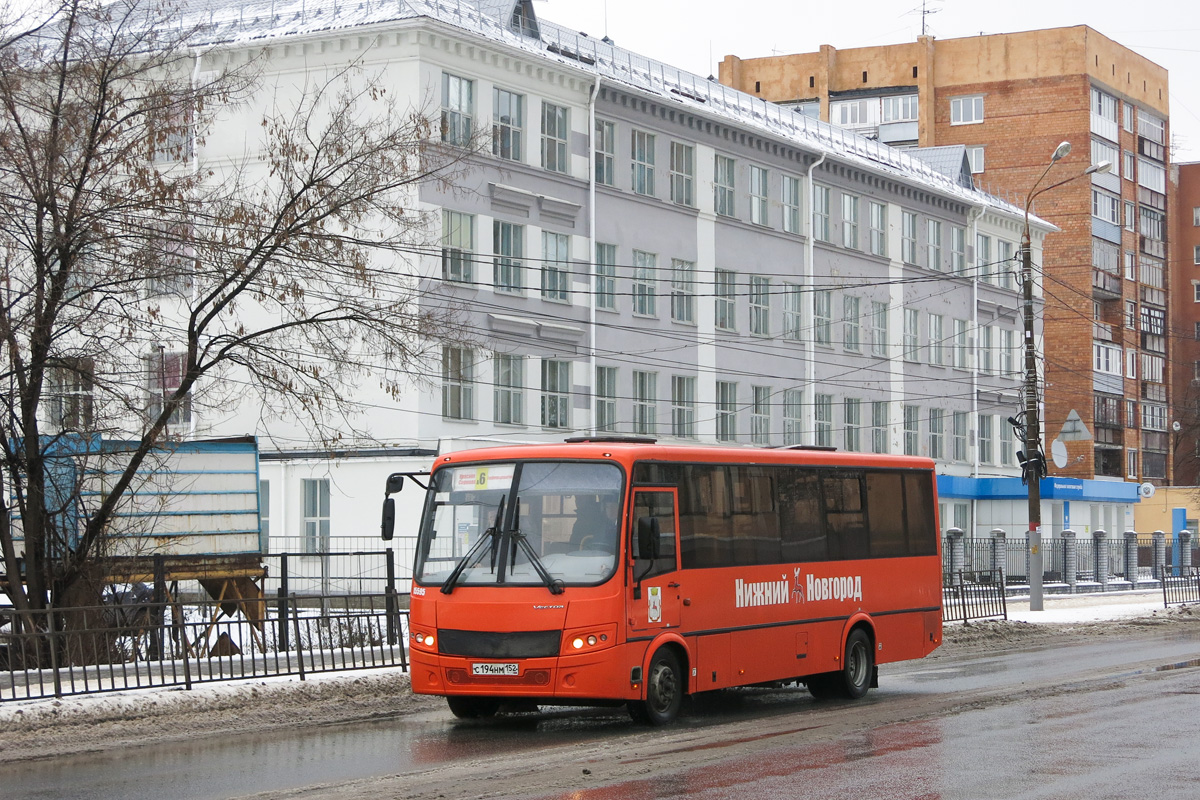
495	669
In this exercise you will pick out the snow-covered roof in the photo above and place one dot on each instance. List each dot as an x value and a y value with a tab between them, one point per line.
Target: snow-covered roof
230	22
950	160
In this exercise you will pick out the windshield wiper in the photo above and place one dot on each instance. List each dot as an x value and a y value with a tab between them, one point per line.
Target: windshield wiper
522	541
488	536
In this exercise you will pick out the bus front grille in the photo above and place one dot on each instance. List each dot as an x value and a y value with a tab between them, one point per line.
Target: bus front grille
489	644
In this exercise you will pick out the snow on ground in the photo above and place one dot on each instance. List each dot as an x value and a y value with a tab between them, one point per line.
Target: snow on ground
1075	608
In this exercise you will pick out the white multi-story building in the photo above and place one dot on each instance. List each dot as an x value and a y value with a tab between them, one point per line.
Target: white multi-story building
648	252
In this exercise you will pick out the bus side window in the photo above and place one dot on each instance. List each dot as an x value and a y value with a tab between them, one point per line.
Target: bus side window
660	506
844	517
801	517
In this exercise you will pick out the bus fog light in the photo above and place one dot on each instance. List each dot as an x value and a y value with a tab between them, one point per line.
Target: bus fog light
429	641
577	643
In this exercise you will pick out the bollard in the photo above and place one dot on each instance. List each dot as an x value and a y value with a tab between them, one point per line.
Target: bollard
1100	558
1160	555
999	556
1070	559
1131	558
1185	553
958	557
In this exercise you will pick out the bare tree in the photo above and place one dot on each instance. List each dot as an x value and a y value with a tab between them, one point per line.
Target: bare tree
138	282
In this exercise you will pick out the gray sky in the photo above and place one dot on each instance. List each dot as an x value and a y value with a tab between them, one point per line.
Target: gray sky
696	34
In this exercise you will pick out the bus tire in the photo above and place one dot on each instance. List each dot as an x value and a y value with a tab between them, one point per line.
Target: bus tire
664	690
473	707
857	666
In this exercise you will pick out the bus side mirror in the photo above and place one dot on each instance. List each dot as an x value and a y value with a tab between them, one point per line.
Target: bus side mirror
647	537
395	482
387	528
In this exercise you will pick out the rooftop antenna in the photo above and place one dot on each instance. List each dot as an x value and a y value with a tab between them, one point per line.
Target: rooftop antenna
925	11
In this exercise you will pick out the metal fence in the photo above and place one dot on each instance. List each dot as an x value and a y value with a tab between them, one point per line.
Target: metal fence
1122	561
111	648
1181	590
968	595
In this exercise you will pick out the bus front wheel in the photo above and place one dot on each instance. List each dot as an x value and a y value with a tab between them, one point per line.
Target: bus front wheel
664	690
473	707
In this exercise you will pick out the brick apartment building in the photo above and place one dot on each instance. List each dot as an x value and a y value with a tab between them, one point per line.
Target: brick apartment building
1010	99
1185	322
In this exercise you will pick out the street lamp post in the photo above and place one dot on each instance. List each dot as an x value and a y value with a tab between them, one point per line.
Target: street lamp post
1034	463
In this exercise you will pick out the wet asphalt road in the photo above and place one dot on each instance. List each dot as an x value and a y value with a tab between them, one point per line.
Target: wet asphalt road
1114	718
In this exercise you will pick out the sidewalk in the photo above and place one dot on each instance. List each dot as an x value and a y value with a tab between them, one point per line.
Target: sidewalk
1087	607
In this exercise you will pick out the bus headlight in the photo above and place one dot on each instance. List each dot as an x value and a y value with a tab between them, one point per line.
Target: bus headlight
429	640
577	643
588	639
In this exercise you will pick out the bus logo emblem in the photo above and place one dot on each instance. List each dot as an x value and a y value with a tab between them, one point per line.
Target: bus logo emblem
654	604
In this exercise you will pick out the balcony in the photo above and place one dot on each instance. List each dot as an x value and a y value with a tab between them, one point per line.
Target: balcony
1102	332
1151	149
1152	247
1105	284
1149	197
1155	392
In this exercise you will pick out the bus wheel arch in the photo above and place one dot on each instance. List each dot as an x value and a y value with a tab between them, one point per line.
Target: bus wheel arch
857	672
665	679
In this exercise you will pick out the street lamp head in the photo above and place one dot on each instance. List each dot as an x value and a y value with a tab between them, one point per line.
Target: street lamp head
1099	169
1060	152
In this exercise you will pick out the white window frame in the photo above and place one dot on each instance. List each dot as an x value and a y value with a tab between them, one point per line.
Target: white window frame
759	187
966	109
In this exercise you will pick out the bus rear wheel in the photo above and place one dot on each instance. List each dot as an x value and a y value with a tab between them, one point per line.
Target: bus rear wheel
854	678
473	707
664	690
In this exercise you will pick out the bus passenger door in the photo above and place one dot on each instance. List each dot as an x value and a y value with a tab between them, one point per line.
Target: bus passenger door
654	604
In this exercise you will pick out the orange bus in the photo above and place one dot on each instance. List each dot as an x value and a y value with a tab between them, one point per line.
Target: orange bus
608	570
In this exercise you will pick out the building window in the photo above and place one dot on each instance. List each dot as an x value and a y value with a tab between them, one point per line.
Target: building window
879	426
879	329
820	214
606	276
823	417
264	516
912	430
726	411
175	269
725	294
900	108
683	407
912	333
850	221
606	152
165	371
315	515
983	258
852	416
1106	207
1007	447
933	231
1129	163
69	393
1197	331
1196	254
1006	266
908	237
606	399
791	204
966	110
962	348
645	402
987	363
936	433
723	185
975	159
793	416
556	394
556	266
458	246
758	195
958	250
851	322
643	162
554	137
683	173
960	436
1131	215
936	349
1196	217
1131	464
508	243
457	383
822	316
509	379
760	415
792	298
1127	110
878	212
683	291
760	305
507	124
1009	355
457	109
645	273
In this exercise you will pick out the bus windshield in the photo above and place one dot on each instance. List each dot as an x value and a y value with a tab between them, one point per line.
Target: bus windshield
566	513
